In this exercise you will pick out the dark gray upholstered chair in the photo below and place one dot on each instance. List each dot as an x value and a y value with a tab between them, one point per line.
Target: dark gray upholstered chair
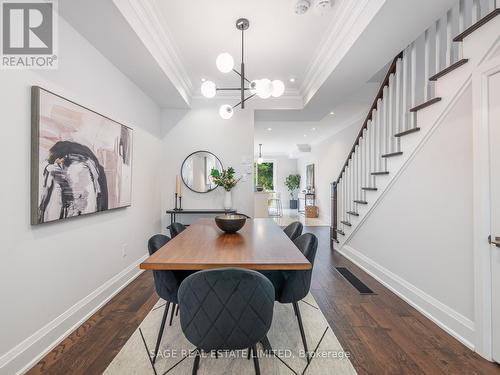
292	286
294	230
176	228
167	285
226	309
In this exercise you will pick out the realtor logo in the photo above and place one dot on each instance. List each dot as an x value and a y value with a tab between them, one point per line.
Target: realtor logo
28	34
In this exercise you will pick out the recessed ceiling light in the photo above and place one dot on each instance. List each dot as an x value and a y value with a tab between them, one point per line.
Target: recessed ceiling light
203	79
305	135
313	129
292	80
269	129
332	113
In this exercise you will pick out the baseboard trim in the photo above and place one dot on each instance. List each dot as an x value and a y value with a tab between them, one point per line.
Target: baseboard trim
26	354
445	317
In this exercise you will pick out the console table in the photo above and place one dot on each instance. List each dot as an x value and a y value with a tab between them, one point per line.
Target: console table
309	199
198	211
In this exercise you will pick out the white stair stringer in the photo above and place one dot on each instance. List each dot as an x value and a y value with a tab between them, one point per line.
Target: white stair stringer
477	47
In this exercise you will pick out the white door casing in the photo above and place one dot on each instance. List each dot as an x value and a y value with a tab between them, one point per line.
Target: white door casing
486	182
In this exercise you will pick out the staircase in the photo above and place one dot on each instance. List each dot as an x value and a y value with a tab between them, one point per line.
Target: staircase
421	85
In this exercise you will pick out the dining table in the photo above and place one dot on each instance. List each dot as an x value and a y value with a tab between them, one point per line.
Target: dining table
260	245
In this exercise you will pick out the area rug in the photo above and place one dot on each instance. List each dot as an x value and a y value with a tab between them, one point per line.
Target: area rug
177	355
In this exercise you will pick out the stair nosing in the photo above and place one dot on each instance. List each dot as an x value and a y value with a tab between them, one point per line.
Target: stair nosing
406	132
449	69
392	154
369	188
360	202
460	37
346	223
352	213
425	104
381	173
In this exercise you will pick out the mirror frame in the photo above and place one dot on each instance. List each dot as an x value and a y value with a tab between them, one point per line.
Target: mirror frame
182	166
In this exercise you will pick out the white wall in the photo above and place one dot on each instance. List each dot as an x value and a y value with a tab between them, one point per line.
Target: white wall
328	158
201	128
419	237
284	166
53	275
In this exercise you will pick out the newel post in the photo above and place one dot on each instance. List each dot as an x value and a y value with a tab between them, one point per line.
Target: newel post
333	225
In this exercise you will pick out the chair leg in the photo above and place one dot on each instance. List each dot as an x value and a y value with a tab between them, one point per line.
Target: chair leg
177	310
301	327
162	327
172	314
196	364
255	360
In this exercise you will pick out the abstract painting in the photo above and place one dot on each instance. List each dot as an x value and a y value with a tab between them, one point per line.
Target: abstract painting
81	161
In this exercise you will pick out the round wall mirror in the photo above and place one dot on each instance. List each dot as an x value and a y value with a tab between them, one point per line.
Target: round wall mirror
196	169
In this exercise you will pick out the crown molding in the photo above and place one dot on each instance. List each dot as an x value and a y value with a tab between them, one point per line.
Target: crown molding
341	34
144	18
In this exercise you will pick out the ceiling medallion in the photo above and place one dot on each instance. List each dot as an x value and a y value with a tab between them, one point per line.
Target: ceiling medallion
263	88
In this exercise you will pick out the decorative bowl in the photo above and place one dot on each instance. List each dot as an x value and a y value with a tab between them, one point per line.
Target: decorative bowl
230	223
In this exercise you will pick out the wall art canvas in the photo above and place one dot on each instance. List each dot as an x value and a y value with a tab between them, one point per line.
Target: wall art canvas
81	161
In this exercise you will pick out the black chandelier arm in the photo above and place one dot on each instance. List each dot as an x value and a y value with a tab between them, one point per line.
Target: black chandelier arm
249	97
234	70
231	88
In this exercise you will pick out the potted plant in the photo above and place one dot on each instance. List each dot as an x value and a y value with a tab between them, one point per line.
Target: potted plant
228	181
292	182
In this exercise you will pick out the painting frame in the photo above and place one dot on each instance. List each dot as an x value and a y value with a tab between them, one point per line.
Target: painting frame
36	93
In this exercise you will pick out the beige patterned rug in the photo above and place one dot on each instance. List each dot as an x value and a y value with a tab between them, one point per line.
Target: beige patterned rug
176	354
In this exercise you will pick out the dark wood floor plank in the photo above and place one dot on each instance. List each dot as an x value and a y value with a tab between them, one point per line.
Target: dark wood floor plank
383	334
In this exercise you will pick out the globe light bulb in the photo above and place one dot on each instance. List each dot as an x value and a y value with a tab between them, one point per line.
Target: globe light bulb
264	88
208	89
224	62
260	160
253	86
278	88
226	111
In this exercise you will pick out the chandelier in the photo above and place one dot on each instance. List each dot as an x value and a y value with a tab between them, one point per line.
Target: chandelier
264	88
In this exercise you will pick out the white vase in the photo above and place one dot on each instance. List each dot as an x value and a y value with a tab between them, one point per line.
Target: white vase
228	201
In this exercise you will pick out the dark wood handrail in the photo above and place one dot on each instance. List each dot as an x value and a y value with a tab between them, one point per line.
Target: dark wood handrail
392	69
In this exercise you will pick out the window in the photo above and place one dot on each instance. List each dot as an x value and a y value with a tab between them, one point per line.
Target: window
264	175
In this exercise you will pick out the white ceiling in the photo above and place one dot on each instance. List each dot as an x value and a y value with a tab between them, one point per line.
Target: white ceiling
278	45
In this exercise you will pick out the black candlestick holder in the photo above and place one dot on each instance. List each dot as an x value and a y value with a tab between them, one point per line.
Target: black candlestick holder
180	202
175	208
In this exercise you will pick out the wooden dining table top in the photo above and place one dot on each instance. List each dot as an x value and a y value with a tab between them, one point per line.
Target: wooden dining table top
260	245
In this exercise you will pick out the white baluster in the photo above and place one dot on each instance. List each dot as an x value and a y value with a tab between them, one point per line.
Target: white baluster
380	135
437	44
427	73
413	83
384	123
390	119
476	11
461	25
449	38
398	96
404	99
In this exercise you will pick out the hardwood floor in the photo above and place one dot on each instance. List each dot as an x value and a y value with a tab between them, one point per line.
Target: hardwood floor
384	334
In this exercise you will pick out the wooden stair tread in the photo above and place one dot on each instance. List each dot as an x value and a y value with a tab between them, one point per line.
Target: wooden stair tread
425	104
445	71
406	132
379	173
341	232
369	188
360	202
346	223
352	213
392	154
460	37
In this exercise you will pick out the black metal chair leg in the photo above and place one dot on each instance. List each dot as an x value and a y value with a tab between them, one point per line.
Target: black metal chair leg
249	353
160	333
196	364
177	310
255	360
172	314
301	327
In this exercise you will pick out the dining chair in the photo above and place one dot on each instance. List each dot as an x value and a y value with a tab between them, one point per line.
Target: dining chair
275	208
226	309
294	230
166	284
176	228
292	286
